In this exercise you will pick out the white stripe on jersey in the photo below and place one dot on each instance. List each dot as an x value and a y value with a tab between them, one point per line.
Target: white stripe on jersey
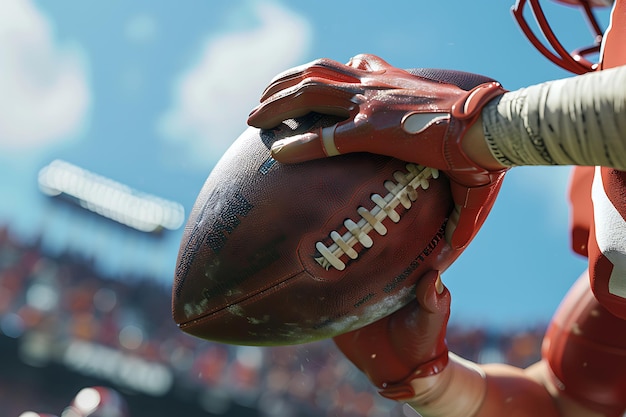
610	235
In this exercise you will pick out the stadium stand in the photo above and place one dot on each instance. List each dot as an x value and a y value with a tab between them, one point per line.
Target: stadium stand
64	325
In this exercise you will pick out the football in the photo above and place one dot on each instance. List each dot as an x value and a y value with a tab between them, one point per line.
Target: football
276	254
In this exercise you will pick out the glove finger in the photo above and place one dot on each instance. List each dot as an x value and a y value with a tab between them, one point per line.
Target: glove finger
348	136
407	341
329	70
465	228
299	148
312	95
474	205
432	295
369	62
426	339
453	222
311	145
431	314
368	348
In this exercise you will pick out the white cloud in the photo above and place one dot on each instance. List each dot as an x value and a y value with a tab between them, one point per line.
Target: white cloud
45	96
213	98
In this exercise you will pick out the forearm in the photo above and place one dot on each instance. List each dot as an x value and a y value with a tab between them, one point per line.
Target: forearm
465	389
574	121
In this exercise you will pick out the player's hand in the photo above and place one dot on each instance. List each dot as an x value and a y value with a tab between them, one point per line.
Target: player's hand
408	344
389	111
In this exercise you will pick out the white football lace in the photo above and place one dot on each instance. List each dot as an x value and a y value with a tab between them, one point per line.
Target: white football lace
403	191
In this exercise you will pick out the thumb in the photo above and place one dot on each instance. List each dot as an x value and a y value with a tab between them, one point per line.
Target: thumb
473	204
428	322
432	296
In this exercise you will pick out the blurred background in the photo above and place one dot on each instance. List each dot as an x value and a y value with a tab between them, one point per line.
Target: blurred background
113	113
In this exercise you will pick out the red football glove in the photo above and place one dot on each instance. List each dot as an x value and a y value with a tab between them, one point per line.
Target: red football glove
418	117
408	344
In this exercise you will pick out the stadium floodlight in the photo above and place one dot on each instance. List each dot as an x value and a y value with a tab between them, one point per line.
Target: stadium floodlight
109	198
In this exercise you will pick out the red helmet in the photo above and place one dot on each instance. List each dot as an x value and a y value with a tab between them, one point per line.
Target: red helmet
575	61
97	402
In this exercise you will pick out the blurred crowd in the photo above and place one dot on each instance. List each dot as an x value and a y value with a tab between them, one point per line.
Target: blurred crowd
63	311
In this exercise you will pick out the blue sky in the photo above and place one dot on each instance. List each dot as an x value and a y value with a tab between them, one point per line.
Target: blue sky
151	94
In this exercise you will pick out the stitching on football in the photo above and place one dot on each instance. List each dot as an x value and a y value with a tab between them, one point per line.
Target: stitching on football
403	192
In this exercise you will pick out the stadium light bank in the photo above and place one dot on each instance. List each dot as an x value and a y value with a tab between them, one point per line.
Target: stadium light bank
110	199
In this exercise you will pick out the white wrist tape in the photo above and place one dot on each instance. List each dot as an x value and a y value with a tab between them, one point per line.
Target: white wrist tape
574	121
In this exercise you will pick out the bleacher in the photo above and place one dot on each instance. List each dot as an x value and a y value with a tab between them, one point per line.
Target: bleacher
65	325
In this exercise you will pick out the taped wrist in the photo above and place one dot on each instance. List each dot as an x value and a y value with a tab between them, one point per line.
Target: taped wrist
464	113
573	121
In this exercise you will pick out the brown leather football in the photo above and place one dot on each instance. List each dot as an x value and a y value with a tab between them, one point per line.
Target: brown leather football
277	254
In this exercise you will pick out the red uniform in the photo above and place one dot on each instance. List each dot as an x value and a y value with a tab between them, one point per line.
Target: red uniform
598	198
586	342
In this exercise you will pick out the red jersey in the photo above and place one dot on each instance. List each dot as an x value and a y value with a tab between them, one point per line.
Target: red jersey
598	198
585	344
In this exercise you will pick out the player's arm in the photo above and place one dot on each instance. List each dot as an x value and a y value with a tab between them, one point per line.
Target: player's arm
435	119
465	389
573	121
406	357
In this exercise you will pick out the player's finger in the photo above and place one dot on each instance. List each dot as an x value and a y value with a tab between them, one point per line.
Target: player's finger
473	205
467	214
311	95
432	295
330	71
425	322
453	222
317	144
463	233
368	62
427	317
299	148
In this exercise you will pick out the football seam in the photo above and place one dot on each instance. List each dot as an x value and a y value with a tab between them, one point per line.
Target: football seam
403	191
229	307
